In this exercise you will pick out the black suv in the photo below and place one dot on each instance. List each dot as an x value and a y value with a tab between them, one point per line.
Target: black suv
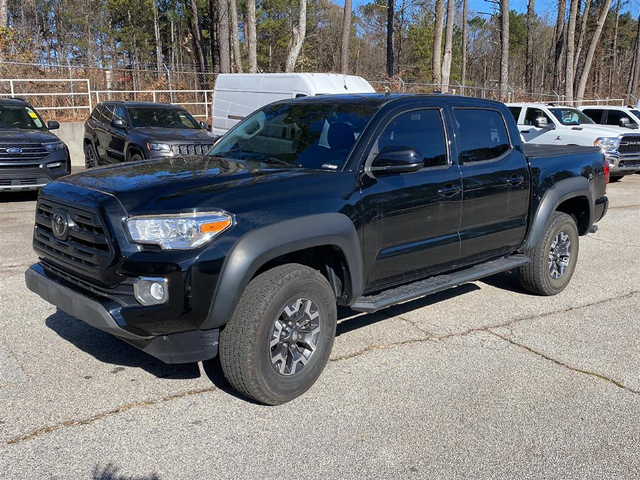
30	156
130	131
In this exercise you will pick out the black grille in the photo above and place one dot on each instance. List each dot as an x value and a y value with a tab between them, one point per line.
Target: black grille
629	163
629	145
85	248
18	182
191	149
32	152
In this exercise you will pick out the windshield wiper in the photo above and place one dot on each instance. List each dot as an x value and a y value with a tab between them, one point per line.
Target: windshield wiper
276	161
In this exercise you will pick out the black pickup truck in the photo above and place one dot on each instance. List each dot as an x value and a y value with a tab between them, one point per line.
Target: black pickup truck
363	201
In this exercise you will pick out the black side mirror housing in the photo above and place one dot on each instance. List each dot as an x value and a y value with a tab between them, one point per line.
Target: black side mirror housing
394	160
204	125
118	123
53	125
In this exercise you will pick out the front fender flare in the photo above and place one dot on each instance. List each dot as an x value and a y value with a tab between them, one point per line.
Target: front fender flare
258	247
553	197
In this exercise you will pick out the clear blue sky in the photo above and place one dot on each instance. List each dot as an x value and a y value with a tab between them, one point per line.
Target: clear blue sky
543	7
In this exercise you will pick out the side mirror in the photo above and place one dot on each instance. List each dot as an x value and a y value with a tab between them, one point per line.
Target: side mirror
392	160
204	125
118	123
541	122
624	122
53	125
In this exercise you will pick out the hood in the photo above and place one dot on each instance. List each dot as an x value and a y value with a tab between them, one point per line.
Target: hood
179	183
27	136
600	130
176	135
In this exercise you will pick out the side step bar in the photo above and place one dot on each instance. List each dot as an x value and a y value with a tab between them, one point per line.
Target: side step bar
436	284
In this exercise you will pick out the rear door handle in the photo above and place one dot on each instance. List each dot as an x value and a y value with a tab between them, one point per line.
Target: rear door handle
515	180
449	190
525	131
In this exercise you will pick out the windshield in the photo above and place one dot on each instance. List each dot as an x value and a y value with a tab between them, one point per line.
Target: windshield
19	116
309	135
153	117
570	116
636	113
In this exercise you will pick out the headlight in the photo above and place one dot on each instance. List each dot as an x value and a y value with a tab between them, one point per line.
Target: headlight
52	147
607	144
178	232
159	146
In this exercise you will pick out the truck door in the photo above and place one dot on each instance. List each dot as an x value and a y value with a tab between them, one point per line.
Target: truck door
411	219
495	183
532	132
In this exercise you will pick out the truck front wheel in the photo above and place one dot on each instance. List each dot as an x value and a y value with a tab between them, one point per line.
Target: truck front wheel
280	337
554	259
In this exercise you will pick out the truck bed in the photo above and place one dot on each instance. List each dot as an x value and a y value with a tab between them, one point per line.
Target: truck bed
543	151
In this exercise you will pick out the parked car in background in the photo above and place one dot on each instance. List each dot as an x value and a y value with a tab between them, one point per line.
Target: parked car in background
361	201
30	155
550	124
236	95
130	131
626	117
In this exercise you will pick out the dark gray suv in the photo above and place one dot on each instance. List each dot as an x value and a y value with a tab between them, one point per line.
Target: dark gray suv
130	131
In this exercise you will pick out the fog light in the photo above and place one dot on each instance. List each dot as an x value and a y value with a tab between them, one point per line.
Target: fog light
54	165
151	290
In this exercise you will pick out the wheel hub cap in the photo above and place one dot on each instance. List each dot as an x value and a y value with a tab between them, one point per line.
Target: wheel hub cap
295	336
559	255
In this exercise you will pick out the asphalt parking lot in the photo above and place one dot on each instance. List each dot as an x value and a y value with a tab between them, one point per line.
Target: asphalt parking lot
483	381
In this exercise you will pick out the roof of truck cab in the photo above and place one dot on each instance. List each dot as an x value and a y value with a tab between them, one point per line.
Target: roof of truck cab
141	104
13	101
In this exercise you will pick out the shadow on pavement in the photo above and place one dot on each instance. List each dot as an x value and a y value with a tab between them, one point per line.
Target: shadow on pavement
109	349
111	472
506	281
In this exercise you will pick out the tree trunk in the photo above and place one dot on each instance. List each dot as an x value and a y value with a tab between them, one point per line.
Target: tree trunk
390	14
4	16
235	39
299	32
592	49
559	43
213	51
634	77
251	28
346	35
436	63
528	74
156	32
465	41
196	38
504	49
614	48
569	78
223	36
581	35
448	46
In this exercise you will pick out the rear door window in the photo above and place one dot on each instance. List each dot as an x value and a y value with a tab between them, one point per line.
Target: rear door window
482	134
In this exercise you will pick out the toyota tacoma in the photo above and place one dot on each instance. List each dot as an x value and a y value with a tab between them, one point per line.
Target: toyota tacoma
362	201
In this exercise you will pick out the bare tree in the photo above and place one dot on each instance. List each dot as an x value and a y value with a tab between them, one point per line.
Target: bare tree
504	49
299	32
528	75
559	42
436	63
465	41
251	30
581	35
235	39
196	37
571	41
634	76
4	17
156	32
614	46
223	36
346	35
582	85
448	46
390	13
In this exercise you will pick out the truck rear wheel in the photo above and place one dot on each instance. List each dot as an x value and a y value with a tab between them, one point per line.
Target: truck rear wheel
281	334
554	259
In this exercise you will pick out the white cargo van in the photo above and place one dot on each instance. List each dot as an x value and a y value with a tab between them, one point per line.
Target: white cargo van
237	95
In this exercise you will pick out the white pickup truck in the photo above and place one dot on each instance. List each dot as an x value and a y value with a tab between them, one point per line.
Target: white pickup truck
551	124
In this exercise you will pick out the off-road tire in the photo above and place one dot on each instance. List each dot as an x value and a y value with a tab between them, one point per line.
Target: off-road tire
535	277
135	157
245	352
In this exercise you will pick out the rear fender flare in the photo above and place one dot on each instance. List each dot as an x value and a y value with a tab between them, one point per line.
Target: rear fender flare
260	246
553	197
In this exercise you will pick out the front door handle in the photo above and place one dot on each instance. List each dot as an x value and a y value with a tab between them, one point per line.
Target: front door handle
515	180
449	190
525	131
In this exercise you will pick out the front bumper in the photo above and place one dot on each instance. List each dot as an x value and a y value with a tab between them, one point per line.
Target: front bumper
184	347
623	164
25	176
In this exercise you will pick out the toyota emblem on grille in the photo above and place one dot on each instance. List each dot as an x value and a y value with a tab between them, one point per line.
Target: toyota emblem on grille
14	150
60	226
